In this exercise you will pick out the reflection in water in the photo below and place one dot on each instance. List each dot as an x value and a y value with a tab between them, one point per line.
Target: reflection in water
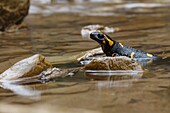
110	73
111	79
114	79
114	84
21	90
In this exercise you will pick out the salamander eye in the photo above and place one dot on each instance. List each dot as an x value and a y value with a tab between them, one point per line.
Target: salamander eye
100	36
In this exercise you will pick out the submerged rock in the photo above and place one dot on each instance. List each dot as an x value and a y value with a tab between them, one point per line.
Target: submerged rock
12	13
113	63
31	66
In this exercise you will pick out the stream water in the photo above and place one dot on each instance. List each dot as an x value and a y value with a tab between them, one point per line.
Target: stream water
54	31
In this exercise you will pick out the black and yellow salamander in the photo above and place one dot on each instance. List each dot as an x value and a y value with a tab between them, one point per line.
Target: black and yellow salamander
113	48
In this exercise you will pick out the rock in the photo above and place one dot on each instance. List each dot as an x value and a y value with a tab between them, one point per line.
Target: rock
113	68
86	30
31	66
113	63
91	53
12	13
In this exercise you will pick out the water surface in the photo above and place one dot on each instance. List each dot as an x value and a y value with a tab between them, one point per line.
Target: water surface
54	31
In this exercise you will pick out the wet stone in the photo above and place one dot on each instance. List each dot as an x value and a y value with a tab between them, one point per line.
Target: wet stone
31	66
14	12
113	63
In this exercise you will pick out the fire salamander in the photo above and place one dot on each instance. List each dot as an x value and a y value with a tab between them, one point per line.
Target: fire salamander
113	48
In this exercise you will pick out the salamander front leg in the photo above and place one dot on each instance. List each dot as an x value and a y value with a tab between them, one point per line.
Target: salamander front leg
115	54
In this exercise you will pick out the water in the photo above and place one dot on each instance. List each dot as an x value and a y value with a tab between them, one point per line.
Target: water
55	33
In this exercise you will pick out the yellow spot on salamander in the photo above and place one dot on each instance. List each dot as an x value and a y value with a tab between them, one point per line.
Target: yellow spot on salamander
149	55
132	54
121	45
104	41
113	55
110	41
99	31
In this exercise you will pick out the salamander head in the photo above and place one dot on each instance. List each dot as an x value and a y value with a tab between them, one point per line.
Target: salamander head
103	39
